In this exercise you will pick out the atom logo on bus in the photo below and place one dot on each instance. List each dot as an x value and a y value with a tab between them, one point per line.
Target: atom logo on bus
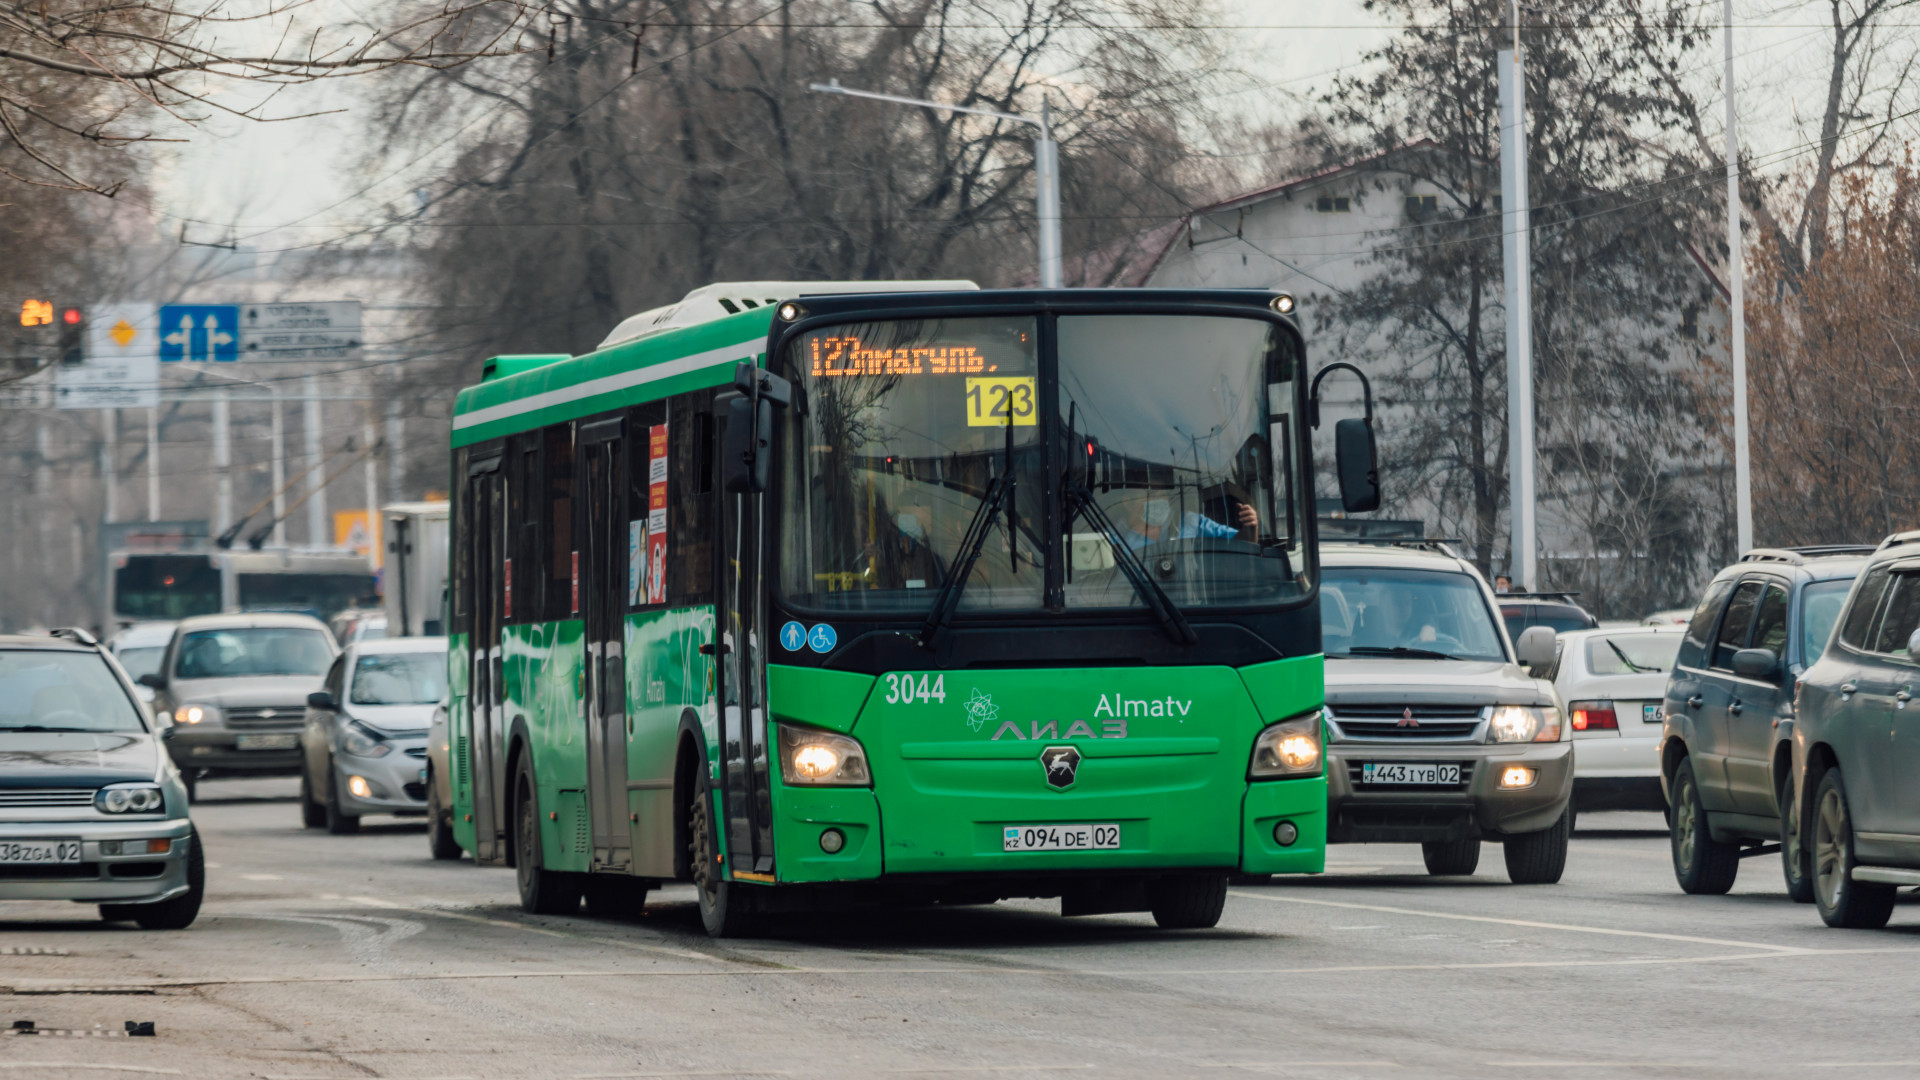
980	709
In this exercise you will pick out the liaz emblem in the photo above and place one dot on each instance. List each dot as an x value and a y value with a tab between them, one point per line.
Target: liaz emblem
1061	763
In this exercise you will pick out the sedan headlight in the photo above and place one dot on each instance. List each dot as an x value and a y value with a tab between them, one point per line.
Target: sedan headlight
129	799
1524	723
362	742
196	714
1289	748
818	758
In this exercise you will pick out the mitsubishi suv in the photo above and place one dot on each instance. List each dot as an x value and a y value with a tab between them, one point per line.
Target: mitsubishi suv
1439	731
1728	714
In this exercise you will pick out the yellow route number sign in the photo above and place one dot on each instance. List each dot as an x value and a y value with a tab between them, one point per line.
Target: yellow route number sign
990	401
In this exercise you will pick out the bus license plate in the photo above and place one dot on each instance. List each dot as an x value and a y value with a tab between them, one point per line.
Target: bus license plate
39	851
1409	772
265	742
1060	838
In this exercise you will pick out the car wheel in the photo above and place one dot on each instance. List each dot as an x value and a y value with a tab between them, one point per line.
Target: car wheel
1842	901
1539	858
312	814
1795	865
1451	858
1188	903
440	839
339	822
1702	865
542	891
179	912
611	896
726	909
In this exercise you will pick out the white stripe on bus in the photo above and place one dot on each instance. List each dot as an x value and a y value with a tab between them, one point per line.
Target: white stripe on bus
625	380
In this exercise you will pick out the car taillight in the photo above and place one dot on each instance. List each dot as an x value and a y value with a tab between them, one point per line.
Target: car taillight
1594	716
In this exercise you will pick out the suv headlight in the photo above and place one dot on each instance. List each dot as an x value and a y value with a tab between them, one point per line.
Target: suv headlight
362	742
818	758
196	714
1524	723
130	799
1288	748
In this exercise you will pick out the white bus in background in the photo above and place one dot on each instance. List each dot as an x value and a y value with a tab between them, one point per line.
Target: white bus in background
415	575
145	586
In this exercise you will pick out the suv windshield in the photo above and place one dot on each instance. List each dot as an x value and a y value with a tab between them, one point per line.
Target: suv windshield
257	650
1414	614
1820	604
48	690
415	678
1178	428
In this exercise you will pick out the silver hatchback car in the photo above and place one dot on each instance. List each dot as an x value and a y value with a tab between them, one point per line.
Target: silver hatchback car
91	808
364	746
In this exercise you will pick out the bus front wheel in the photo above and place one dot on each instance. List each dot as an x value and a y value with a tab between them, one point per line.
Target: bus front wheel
542	891
725	909
1188	903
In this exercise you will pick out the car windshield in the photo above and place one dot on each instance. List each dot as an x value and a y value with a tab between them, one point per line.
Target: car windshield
1820	605
1413	614
1631	654
144	660
411	678
48	690
257	650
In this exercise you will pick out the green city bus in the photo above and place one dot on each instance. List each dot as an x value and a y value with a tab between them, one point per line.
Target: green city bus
850	597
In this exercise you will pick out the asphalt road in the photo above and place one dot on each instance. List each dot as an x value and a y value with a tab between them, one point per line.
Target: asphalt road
320	956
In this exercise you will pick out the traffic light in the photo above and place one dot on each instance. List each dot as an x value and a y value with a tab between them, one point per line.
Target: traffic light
36	313
73	336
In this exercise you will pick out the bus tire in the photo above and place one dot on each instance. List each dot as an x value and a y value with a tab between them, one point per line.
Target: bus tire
725	909
1188	903
542	891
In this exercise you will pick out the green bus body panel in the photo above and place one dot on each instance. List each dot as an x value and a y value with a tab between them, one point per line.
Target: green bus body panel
1269	802
667	677
817	696
691	358
803	814
1286	688
459	738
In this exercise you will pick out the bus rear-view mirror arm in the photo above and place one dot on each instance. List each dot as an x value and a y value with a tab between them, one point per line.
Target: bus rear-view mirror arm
744	451
1355	459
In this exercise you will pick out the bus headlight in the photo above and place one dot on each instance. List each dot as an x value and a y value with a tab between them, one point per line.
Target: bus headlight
818	758
1524	723
1289	748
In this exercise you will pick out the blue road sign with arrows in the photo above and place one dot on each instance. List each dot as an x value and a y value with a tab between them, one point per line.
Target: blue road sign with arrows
199	332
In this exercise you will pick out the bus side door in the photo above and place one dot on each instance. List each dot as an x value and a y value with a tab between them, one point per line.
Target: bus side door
603	594
741	672
486	496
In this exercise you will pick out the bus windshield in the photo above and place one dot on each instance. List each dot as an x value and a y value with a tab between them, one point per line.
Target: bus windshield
165	586
1172	446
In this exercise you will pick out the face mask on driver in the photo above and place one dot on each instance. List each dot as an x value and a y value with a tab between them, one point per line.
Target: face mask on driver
911	528
1158	512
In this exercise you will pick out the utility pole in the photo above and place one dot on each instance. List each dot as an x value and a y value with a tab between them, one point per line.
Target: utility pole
279	474
222	464
317	535
1519	300
109	478
373	494
153	463
1736	274
395	447
1046	167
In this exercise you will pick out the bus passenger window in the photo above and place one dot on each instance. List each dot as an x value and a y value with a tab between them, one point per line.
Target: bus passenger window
689	491
559	530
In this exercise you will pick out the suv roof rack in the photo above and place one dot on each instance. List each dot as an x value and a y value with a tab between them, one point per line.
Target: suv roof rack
1799	555
1898	539
1424	543
76	635
1549	594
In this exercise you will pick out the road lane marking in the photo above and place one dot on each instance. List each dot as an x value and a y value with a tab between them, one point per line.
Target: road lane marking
376	902
22	1065
1572	927
261	877
1272	1065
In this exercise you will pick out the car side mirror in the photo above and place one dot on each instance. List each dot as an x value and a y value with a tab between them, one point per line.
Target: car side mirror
153	680
1354	459
163	725
321	700
1756	663
1535	649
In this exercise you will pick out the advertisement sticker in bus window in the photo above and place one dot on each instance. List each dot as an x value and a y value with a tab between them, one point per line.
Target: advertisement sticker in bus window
793	637
657	514
636	559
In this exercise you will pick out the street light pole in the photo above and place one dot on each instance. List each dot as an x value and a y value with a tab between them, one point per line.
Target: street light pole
1736	273
1046	167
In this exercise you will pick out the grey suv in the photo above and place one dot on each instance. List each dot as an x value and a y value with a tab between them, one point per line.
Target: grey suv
1856	744
1725	755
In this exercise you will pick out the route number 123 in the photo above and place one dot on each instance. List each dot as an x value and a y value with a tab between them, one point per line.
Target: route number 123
989	400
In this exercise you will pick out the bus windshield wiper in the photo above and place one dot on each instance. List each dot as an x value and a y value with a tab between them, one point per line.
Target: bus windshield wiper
1080	503
1397	650
999	494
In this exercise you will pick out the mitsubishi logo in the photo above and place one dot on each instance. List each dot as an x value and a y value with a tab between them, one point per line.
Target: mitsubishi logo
1406	719
268	714
1061	763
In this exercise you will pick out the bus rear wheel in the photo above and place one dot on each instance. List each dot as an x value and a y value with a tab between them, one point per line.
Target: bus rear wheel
1188	903
725	909
542	891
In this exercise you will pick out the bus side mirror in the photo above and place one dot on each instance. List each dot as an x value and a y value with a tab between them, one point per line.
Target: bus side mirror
743	454
1354	460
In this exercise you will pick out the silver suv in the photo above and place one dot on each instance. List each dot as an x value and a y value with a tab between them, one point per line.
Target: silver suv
1438	732
235	688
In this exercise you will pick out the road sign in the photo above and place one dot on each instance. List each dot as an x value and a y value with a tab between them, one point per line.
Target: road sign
322	331
122	365
199	332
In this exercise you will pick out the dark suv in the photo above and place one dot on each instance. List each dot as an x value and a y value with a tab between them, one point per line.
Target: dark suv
1725	755
1856	745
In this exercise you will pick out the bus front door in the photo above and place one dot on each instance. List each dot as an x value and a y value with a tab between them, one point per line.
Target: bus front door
743	721
604	593
486	496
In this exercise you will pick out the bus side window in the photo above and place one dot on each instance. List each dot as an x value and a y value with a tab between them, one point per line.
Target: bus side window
689	495
640	422
559	522
527	499
462	583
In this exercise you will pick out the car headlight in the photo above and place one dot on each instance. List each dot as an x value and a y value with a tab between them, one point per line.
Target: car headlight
1524	723
818	758
129	799
1288	748
195	714
362	742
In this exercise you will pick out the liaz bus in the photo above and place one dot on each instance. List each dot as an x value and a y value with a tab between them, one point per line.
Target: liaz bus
844	596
